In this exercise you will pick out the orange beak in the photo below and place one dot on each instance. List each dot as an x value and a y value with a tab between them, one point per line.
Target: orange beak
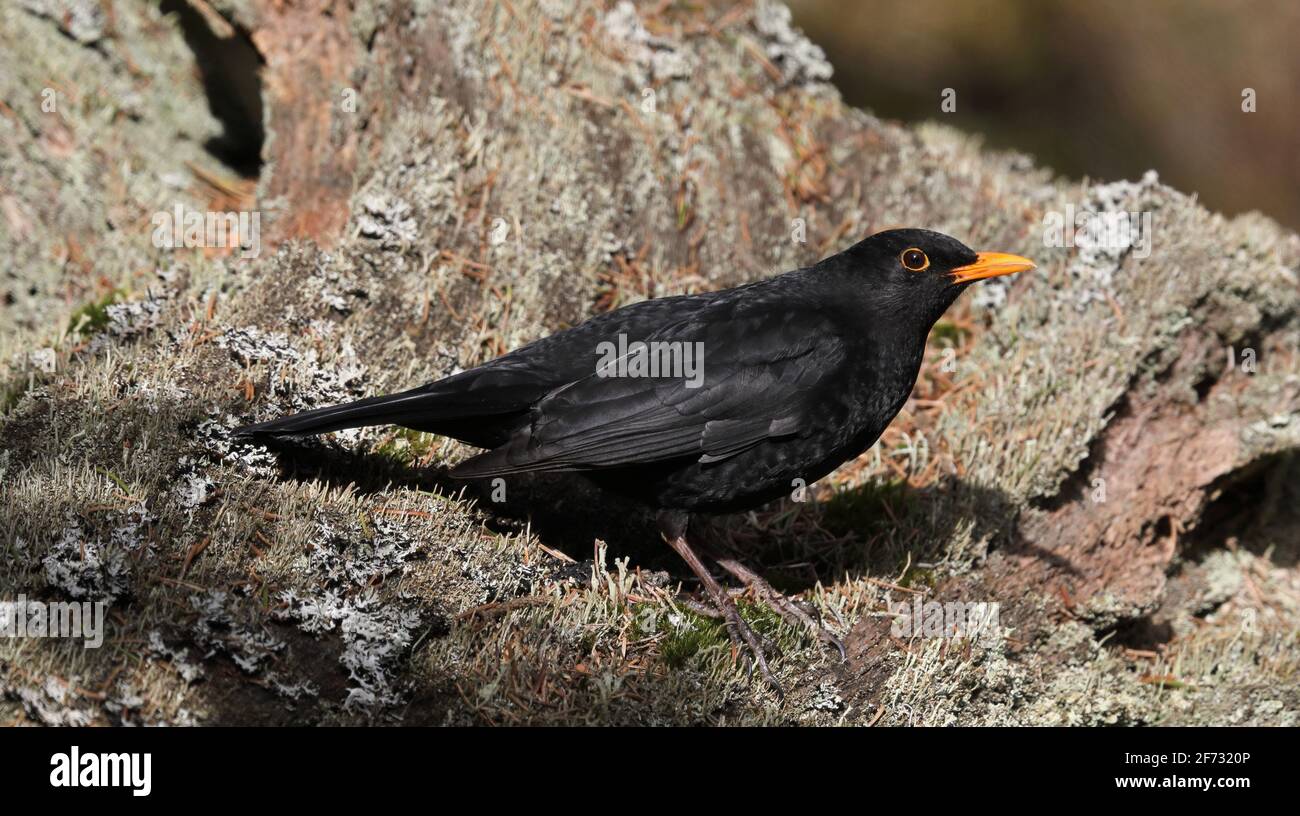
991	265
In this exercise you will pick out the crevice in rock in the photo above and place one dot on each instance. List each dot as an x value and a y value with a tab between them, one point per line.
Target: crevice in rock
230	67
1075	486
1261	497
1144	634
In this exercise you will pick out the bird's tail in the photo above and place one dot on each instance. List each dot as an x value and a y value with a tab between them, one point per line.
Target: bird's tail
393	409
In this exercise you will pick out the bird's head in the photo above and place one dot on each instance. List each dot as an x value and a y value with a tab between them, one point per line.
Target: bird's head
911	268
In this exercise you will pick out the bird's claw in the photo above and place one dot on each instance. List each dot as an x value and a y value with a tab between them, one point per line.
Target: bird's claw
747	643
786	608
743	648
750	656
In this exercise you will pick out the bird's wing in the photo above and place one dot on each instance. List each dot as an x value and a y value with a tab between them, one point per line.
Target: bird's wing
764	370
484	405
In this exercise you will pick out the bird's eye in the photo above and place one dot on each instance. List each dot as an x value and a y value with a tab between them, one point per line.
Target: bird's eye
914	259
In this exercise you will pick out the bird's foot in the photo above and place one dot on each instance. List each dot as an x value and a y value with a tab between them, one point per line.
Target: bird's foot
740	632
790	611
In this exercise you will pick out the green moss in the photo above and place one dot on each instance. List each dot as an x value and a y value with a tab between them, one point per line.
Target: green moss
407	447
691	637
694	633
91	318
917	577
945	332
763	619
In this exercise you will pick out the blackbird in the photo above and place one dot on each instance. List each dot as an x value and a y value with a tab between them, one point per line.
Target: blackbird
708	403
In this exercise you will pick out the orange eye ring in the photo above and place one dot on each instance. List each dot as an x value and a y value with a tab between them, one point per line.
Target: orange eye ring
914	260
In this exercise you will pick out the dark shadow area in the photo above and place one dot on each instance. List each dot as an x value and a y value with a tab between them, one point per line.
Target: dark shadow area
565	510
230	68
1077	485
1258	509
1144	634
895	530
316	459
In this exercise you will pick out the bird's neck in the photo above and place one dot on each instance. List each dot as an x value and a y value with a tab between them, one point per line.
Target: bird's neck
887	357
885	331
894	356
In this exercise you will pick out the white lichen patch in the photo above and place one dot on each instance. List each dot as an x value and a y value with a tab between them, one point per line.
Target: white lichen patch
826	698
213	438
375	636
250	344
155	396
91	567
193	490
177	656
801	61
659	57
387	219
298	380
217	631
134	317
344	565
339	288
83	20
52	703
1111	232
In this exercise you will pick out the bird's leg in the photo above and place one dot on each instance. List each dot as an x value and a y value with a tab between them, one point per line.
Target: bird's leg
741	634
784	607
674	529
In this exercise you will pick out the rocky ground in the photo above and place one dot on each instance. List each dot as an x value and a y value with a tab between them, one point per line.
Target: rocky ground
1104	448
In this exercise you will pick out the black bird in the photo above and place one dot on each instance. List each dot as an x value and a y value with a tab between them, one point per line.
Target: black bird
708	403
